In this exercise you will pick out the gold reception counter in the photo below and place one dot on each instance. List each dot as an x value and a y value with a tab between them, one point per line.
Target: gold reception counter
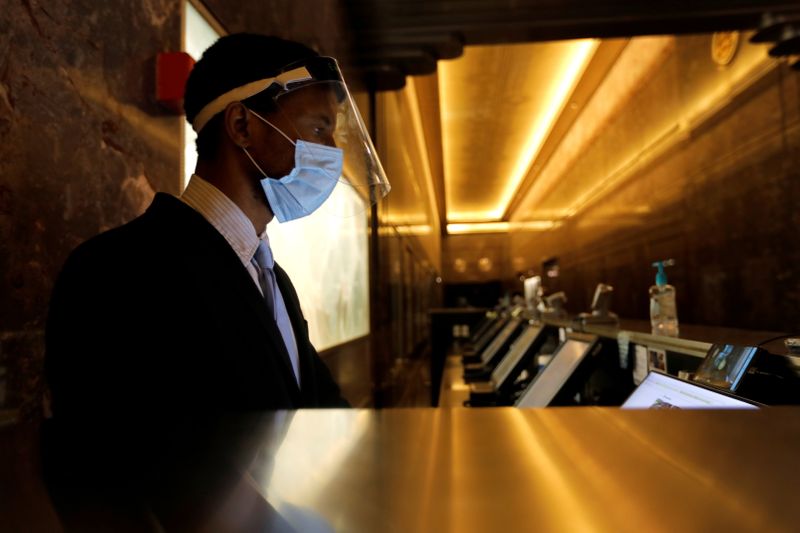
507	469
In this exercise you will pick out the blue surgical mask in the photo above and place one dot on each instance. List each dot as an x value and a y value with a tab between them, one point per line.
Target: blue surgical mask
317	169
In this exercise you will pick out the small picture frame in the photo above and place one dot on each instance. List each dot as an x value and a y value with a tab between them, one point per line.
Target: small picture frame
657	359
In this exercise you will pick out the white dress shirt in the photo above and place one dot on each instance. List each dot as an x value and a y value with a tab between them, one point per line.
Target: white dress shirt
231	222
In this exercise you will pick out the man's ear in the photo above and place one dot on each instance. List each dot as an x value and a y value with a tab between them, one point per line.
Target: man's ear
237	124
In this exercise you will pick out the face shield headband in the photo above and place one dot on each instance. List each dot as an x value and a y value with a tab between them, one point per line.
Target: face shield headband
362	169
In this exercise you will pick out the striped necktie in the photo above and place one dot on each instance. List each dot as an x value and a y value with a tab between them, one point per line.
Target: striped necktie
264	263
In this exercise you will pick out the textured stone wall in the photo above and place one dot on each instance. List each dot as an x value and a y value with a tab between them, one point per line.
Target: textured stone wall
83	147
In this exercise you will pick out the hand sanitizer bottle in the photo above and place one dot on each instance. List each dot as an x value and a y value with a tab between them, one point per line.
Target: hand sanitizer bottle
663	312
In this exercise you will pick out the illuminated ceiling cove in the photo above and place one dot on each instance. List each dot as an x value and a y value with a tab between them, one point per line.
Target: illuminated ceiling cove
521	124
498	105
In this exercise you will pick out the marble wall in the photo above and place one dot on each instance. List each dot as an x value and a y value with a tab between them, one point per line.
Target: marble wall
83	147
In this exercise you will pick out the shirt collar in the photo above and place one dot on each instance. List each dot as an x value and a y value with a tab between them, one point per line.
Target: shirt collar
226	217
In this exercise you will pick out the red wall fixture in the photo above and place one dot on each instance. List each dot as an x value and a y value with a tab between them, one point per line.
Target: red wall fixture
172	70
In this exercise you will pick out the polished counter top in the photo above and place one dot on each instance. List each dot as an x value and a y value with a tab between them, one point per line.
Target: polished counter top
450	470
507	469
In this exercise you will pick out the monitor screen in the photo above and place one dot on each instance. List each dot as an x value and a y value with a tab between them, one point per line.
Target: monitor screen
491	350
489	334
517	351
660	391
549	381
725	365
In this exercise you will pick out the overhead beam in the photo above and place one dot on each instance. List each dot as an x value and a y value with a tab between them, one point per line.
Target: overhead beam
407	36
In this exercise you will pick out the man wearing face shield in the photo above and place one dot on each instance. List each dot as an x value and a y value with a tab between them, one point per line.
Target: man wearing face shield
184	311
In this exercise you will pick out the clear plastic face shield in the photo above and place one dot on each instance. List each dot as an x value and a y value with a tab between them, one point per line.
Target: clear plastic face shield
335	161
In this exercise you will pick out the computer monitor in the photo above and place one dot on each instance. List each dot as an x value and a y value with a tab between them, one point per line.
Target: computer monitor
489	334
484	325
662	391
491	351
549	381
515	354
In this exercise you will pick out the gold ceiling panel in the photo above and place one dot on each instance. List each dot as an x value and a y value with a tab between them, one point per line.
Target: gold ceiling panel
579	164
498	104
644	108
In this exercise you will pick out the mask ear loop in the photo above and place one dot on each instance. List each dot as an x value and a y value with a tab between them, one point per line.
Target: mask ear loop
273	126
254	162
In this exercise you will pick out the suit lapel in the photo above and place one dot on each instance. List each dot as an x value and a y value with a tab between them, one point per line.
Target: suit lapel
215	266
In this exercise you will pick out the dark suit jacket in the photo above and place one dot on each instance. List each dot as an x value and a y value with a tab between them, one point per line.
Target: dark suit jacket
156	325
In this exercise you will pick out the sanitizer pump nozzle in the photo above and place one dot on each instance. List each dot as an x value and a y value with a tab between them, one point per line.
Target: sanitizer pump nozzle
661	276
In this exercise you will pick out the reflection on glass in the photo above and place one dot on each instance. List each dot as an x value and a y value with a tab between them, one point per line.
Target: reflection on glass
297	446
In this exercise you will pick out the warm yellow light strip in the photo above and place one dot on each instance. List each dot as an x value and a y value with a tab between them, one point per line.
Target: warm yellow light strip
482	227
447	148
535	225
414	229
639	59
412	100
572	70
447	92
406	219
500	227
469	216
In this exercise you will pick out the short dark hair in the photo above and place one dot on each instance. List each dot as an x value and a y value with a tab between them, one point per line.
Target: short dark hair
232	61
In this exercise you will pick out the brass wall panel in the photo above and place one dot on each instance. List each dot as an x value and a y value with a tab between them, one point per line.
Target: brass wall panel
717	200
476	258
427	89
407	259
411	205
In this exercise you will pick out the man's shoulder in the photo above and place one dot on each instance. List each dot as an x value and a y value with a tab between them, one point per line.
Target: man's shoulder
147	235
123	234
